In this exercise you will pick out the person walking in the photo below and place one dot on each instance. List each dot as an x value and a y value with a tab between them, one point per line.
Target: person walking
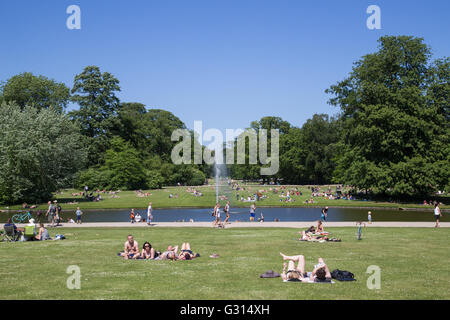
437	214
226	209
149	214
51	213
324	214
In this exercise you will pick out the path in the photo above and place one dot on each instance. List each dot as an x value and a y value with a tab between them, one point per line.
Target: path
300	224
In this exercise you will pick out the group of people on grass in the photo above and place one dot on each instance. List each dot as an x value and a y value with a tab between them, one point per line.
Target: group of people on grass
131	251
19	233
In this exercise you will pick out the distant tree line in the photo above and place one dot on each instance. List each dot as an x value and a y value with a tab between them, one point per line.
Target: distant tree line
390	134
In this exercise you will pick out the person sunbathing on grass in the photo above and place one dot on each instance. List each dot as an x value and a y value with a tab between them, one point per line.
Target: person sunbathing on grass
306	234
320	273
148	252
131	249
186	252
170	254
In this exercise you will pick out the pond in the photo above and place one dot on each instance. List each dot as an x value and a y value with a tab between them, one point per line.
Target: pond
242	214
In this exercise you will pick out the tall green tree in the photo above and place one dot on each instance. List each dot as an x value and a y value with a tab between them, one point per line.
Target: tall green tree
394	125
95	93
26	89
124	166
40	152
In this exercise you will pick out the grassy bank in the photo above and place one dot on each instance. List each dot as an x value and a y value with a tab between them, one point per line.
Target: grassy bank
181	198
414	264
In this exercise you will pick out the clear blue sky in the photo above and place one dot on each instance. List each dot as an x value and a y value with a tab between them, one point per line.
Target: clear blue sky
226	62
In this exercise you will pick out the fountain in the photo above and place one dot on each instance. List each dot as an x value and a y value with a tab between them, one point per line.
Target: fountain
220	171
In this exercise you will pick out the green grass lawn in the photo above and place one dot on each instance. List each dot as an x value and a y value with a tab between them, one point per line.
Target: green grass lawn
414	264
160	199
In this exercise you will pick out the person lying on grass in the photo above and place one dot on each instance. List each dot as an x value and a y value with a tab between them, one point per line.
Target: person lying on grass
306	234
186	252
320	273
131	249
170	254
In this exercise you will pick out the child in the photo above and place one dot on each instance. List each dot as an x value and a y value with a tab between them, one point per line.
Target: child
78	213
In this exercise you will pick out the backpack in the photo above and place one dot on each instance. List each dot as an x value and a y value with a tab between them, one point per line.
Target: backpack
343	275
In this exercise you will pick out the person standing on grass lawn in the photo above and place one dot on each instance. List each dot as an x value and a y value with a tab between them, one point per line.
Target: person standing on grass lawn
252	212
227	212
131	250
437	214
149	214
324	214
78	213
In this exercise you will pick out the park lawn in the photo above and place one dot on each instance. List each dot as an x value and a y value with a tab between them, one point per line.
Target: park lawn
160	199
414	264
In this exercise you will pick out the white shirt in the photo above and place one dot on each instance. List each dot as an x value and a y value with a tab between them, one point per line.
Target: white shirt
437	211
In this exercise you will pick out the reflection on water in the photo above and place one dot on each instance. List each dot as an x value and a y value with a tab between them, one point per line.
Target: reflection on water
242	214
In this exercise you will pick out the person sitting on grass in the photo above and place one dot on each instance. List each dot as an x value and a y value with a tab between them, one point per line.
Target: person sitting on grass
320	273
148	252
17	231
131	249
186	252
319	226
43	233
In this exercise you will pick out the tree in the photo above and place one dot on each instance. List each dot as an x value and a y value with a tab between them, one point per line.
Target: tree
124	165
95	93
40	152
395	132
26	89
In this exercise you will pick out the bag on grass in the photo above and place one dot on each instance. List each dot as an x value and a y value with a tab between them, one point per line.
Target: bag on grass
342	275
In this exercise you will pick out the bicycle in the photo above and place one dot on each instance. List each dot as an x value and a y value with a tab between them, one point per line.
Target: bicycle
21	217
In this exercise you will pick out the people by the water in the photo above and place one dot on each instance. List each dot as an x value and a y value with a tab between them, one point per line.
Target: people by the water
252	212
216	214
79	213
132	216
437	214
149	214
369	217
226	209
324	214
51	211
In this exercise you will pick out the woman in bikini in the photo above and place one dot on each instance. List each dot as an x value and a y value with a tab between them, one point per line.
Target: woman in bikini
186	252
148	252
320	273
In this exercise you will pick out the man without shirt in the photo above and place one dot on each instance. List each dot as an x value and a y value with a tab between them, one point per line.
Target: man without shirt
131	249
